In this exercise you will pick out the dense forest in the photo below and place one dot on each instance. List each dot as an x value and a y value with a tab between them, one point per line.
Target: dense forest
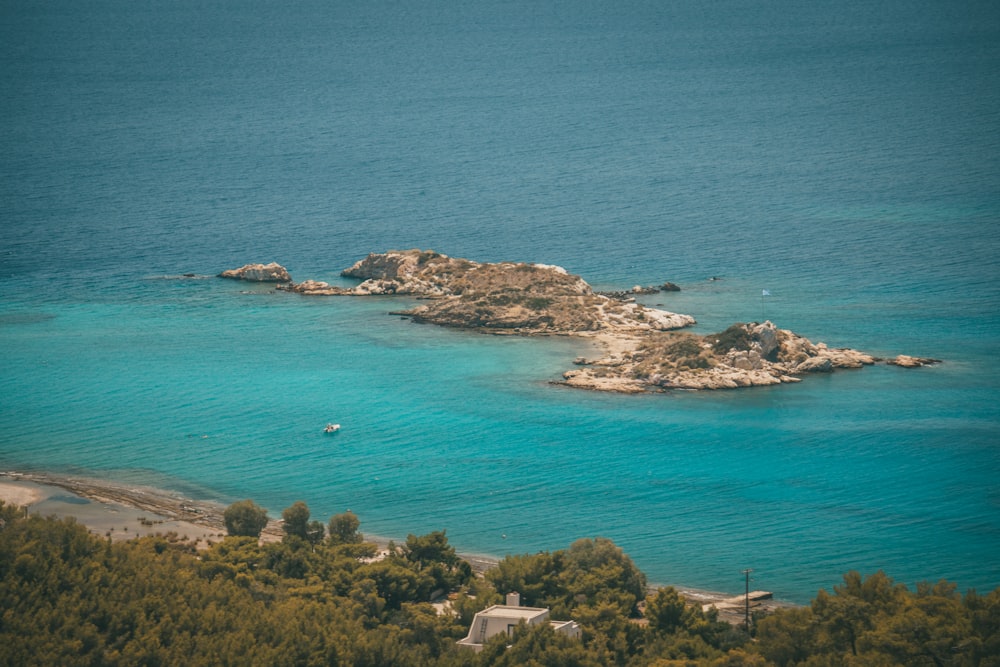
321	597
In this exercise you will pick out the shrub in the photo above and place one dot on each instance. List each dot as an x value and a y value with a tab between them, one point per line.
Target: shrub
735	337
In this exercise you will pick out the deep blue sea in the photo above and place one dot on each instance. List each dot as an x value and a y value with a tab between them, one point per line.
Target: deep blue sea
844	156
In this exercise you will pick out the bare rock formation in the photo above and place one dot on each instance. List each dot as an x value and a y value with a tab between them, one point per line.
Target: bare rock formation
643	349
504	297
744	355
259	273
906	361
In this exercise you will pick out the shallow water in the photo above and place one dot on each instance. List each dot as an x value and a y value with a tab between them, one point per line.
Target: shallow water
845	161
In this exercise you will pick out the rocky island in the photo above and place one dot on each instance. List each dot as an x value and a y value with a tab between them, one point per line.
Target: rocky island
259	273
642	347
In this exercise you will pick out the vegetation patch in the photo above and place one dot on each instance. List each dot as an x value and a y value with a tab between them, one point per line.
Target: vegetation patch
324	596
538	302
670	352
735	337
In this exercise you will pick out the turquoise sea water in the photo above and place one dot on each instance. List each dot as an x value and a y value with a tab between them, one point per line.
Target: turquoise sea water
844	158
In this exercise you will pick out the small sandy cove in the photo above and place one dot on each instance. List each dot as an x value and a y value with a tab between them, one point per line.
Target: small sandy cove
125	511
110	509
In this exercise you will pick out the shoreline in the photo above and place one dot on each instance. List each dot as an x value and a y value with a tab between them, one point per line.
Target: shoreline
117	509
643	349
124	511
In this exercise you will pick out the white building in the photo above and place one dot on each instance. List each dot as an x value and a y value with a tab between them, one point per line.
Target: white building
503	618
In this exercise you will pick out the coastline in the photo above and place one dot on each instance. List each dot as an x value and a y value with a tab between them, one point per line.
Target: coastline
643	351
123	511
117	510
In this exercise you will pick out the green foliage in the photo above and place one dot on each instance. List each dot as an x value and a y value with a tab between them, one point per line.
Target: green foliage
343	528
590	572
429	549
478	595
535	577
396	584
245	518
295	520
536	646
70	598
684	346
592	582
667	611
984	615
296	524
735	337
290	559
875	621
315	532
787	637
598	571
434	558
9	513
670	351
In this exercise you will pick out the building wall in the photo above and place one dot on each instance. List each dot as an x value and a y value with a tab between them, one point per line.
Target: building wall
503	619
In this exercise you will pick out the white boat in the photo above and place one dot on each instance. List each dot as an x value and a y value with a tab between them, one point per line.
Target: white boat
331	428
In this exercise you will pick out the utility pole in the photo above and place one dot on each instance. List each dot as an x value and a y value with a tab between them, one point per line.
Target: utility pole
746	573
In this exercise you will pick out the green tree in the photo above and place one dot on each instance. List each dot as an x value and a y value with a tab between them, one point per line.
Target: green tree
396	584
534	576
433	557
599	571
71	598
787	637
665	611
343	528
245	518
430	548
315	532
844	618
537	646
931	628
295	520
9	513
984	614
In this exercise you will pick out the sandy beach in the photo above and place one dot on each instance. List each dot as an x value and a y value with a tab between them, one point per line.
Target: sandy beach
117	510
126	511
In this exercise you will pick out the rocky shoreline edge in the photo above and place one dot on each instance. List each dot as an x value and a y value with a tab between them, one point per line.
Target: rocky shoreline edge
122	511
644	348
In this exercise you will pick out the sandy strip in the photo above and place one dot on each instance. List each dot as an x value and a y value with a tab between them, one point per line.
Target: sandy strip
20	494
125	511
115	510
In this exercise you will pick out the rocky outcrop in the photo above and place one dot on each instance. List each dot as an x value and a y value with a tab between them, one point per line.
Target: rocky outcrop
744	355
906	361
416	272
644	351
640	290
259	273
504	297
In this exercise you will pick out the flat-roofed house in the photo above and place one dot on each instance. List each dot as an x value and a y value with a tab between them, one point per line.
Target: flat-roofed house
503	618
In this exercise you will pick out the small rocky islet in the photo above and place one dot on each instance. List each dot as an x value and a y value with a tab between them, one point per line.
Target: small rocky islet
644	348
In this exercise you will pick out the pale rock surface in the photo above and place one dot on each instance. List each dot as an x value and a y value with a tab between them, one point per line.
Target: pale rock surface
642	350
906	361
260	273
